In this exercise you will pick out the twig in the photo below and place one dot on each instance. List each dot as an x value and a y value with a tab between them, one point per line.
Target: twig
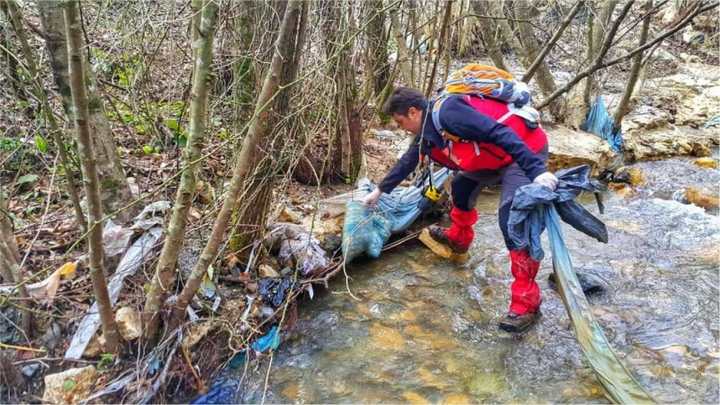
541	56
601	65
22	348
200	384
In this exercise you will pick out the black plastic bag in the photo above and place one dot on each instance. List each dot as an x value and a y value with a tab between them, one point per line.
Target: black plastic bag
527	216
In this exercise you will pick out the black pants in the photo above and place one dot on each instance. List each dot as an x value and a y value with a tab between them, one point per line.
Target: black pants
467	185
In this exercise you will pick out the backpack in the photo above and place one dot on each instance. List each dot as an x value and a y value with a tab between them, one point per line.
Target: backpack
487	81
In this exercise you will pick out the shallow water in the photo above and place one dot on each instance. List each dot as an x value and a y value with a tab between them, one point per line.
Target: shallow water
424	330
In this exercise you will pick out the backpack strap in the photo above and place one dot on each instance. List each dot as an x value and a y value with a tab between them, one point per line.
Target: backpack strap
435	112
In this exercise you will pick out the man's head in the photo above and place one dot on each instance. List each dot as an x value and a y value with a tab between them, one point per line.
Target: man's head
406	107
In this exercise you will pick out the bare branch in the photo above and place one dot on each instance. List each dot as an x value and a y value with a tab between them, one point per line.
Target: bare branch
566	22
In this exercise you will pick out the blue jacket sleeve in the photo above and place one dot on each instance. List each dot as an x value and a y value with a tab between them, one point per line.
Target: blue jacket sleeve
407	163
460	119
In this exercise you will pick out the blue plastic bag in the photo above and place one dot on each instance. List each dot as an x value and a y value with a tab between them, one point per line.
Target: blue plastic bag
600	123
366	230
270	341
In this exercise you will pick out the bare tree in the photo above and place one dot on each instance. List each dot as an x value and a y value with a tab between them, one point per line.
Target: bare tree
164	277
490	34
346	142
10	269
91	180
403	53
15	18
377	69
530	52
597	28
244	163
114	192
622	108
441	46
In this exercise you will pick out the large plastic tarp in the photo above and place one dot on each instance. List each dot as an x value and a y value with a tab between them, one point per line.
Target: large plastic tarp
600	123
367	229
620	385
527	221
535	208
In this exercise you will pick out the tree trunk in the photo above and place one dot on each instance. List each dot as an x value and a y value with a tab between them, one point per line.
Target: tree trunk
252	217
377	70
403	53
531	48
441	46
114	189
9	58
90	174
10	269
164	278
540	58
490	32
622	108
598	31
15	18
587	93
244	163
343	159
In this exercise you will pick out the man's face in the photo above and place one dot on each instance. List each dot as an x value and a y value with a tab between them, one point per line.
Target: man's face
412	122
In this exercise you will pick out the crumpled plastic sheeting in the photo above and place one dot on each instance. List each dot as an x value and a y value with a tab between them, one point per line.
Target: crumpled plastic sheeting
222	391
527	218
600	123
225	387
269	341
367	229
298	248
274	290
620	385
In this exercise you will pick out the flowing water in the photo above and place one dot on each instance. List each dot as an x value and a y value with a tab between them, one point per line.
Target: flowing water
419	329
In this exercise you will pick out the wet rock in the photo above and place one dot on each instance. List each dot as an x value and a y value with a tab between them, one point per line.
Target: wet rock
702	198
648	145
707	163
645	117
629	175
128	322
590	283
621	189
69	386
572	148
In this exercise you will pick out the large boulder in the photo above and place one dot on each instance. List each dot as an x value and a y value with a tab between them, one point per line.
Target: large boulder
670	141
572	148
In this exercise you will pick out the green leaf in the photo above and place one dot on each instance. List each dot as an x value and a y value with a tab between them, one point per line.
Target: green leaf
148	149
27	179
68	385
41	144
173	124
106	360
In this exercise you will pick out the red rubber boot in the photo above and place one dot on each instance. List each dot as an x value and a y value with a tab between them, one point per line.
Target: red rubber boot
454	242
525	293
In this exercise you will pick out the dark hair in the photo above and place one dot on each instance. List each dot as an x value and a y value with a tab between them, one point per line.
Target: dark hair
402	99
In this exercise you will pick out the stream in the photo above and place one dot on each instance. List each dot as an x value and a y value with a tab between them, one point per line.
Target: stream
418	329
